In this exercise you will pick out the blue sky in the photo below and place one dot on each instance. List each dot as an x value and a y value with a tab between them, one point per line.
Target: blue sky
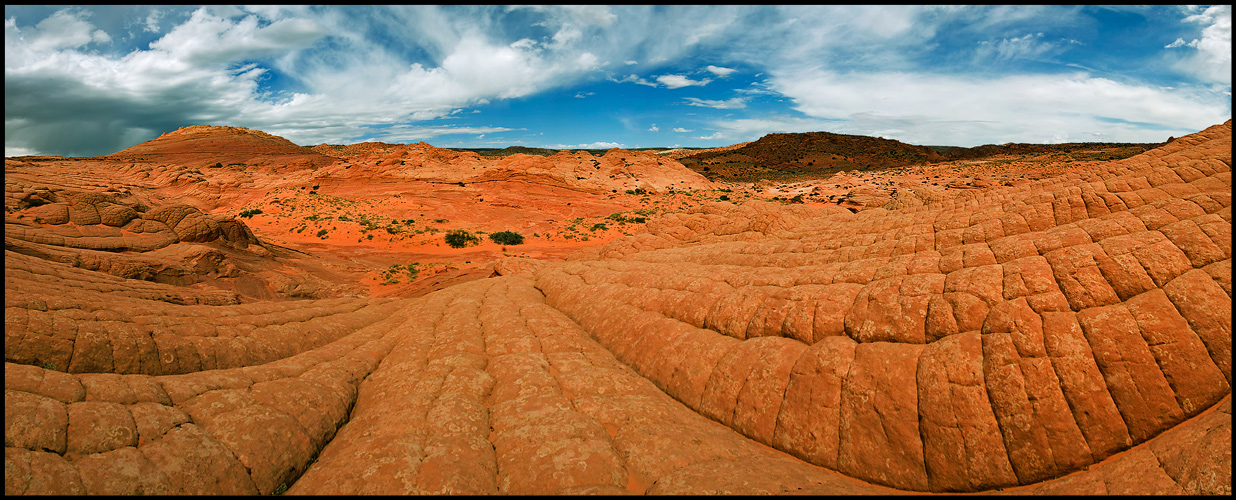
92	80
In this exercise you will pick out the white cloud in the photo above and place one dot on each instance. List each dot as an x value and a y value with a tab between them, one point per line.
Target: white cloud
719	71
735	103
682	130
599	15
18	151
592	145
654	128
152	21
1029	46
679	81
1213	60
1180	43
967	111
208	40
211	68
62	30
411	133
634	79
566	37
318	74
749	129
582	95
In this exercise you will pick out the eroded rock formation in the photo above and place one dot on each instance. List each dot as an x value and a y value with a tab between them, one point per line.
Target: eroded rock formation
1069	335
617	170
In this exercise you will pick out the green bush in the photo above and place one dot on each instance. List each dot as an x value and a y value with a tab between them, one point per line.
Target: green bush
507	238
250	213
459	238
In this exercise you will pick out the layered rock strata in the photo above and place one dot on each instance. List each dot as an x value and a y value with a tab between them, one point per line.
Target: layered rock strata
1067	336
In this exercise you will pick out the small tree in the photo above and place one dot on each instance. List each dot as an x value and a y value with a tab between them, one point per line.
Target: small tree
507	238
459	238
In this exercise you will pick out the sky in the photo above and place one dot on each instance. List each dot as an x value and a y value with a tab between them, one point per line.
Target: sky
92	80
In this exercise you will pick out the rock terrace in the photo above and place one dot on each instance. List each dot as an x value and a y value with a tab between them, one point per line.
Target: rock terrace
1068	335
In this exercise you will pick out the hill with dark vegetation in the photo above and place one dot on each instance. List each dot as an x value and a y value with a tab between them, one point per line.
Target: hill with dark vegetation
812	154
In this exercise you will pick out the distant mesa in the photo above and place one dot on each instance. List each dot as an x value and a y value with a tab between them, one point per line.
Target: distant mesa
816	153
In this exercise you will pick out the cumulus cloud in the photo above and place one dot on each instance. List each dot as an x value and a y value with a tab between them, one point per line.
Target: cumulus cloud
654	128
62	30
1180	43
735	103
1213	59
679	81
682	130
211	68
208	40
324	74
719	71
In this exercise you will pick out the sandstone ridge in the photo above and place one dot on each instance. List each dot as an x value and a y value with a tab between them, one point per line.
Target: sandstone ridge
1065	335
616	170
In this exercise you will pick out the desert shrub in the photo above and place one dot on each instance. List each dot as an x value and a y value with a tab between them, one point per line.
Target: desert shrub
250	213
724	197
322	233
797	199
598	226
460	238
507	238
637	191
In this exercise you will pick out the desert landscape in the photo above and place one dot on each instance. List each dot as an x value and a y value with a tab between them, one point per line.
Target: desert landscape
222	311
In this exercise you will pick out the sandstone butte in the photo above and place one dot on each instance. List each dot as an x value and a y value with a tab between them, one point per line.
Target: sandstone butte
1065	335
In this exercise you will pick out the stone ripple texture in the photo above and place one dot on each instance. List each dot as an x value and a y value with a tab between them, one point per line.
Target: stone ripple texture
1068	336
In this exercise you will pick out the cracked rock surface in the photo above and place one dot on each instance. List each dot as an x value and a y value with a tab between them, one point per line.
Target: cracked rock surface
1067	336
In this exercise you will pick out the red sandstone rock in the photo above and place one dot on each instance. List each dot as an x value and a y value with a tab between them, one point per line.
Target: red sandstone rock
1067	335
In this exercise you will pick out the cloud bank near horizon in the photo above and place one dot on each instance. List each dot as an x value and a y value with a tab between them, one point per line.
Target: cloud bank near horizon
94	80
